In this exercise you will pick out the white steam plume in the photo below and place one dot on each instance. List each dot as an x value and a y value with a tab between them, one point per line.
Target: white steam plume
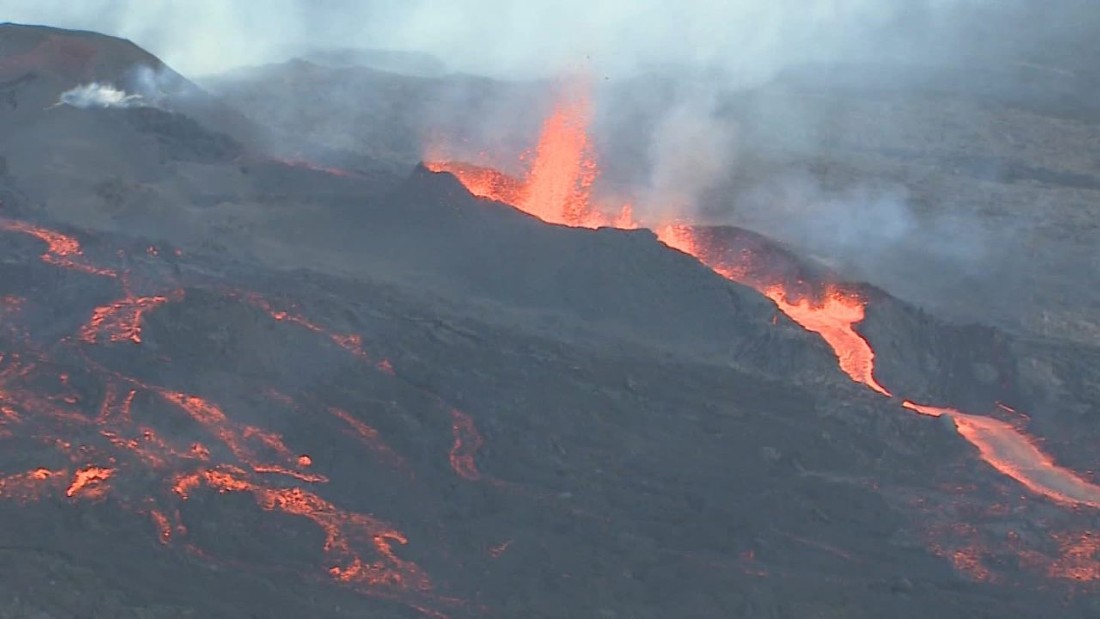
97	95
691	149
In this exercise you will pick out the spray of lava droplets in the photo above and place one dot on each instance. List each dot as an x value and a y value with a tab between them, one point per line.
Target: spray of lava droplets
557	189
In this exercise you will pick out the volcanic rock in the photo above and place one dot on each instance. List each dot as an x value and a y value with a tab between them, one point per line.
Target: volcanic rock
232	386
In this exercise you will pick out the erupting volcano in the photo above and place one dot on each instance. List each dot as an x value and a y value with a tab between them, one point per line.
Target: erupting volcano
557	187
558	190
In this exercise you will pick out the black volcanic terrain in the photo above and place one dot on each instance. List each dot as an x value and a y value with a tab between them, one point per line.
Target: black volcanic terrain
251	373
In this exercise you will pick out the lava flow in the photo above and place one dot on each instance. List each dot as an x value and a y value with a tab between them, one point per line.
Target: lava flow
557	189
117	432
1013	454
61	250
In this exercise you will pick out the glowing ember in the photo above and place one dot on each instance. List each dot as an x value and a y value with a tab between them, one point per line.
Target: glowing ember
121	321
370	437
89	482
352	343
1079	557
467	442
164	526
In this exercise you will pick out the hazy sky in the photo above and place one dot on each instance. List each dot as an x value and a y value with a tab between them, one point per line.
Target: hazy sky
743	37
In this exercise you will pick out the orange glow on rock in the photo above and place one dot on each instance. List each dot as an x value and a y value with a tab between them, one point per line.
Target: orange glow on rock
557	189
121	321
369	436
467	442
37	404
1079	557
61	250
90	482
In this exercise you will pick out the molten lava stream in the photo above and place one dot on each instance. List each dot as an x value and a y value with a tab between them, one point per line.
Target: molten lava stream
557	189
834	319
61	250
1012	453
832	314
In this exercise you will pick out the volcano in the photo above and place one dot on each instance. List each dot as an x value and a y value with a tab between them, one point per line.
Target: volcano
235	384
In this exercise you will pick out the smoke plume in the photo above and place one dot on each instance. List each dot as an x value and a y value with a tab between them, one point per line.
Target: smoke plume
691	150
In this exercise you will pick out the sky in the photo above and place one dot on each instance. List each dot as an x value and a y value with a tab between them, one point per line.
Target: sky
747	39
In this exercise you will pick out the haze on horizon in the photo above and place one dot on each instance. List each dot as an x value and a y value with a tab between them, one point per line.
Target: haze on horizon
744	40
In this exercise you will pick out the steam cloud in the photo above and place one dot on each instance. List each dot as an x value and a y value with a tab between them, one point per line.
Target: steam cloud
98	95
691	149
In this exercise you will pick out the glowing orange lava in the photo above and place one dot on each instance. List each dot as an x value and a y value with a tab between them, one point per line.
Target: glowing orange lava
61	250
90	482
558	186
107	444
121	321
834	319
557	189
370	437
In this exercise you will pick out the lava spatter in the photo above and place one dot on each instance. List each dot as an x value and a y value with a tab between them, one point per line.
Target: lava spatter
557	187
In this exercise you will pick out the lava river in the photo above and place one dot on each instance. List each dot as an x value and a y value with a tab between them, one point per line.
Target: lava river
558	189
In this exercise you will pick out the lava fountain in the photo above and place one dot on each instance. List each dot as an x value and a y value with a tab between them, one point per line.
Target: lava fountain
557	189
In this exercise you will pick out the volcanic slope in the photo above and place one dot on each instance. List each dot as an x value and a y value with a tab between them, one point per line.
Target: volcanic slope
900	158
293	444
194	427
